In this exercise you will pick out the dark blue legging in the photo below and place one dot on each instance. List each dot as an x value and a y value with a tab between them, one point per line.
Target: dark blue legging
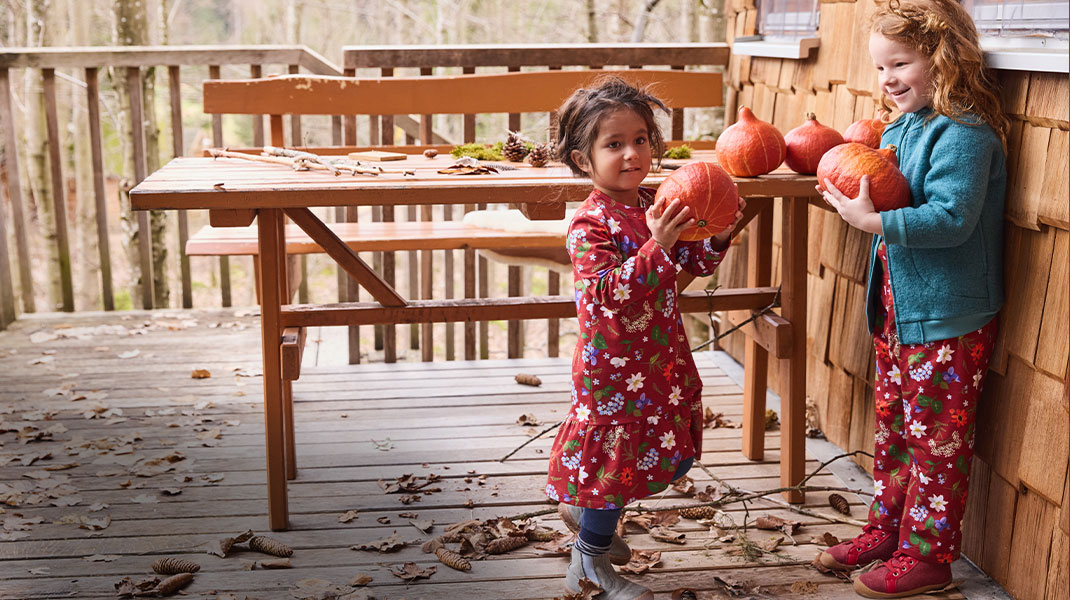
597	526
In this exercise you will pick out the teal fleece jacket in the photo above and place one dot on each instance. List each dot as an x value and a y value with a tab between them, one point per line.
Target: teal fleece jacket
945	251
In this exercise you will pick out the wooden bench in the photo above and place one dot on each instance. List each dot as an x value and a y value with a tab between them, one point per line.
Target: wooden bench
511	93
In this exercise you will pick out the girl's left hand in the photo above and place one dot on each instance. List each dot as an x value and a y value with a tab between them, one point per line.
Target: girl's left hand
721	240
857	212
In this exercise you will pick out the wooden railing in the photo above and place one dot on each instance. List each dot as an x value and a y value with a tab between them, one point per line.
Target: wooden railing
384	61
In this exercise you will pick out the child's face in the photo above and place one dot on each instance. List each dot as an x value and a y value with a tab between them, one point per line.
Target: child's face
902	72
620	156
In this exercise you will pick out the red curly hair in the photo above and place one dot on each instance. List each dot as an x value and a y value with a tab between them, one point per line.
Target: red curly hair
944	31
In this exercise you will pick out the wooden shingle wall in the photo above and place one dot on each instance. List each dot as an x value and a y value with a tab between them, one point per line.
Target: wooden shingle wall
1016	525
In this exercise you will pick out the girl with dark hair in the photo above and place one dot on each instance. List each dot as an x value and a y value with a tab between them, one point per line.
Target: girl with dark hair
635	423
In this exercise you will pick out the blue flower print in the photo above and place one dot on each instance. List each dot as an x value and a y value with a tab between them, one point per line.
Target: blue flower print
627	245
675	458
940	524
682	254
918	513
611	407
642	402
590	354
951	376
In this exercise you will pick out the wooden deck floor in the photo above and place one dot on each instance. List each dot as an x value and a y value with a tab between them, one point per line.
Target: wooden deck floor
112	392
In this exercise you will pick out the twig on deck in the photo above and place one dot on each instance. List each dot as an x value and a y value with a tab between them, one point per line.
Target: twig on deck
533	438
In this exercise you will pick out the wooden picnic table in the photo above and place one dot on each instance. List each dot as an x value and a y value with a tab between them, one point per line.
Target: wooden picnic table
235	191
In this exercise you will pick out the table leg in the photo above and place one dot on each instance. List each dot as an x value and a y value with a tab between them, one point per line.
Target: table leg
793	368
756	358
286	288
272	263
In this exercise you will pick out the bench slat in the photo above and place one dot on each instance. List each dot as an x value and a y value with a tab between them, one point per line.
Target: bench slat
367	237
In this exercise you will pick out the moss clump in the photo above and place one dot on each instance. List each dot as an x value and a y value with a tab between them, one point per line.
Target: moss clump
479	151
678	152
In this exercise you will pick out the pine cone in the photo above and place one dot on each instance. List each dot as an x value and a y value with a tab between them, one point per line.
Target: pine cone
540	155
698	512
172	566
453	560
514	149
270	546
505	544
172	584
839	503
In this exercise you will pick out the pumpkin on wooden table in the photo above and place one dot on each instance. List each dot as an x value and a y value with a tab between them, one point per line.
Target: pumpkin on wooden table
807	143
865	131
750	147
845	165
708	191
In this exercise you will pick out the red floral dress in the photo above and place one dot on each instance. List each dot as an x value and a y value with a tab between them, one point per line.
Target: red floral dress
636	393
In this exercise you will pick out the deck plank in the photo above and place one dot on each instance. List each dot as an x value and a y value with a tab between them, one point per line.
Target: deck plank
448	418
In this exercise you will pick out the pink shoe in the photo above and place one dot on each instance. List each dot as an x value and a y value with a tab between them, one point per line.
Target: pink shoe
872	544
902	576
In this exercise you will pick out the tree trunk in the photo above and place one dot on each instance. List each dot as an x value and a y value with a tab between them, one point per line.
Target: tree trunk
132	29
85	253
592	21
41	213
641	20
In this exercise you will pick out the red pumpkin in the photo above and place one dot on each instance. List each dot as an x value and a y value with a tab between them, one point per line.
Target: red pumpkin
711	194
845	165
865	131
750	146
807	143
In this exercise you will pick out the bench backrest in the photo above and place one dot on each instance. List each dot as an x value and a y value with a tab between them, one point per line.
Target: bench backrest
512	93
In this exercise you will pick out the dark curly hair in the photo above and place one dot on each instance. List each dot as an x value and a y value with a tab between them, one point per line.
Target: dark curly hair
580	116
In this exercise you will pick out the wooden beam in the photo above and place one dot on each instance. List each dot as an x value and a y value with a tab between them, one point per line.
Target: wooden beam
152	56
345	257
534	55
293	349
231	217
494	309
520	92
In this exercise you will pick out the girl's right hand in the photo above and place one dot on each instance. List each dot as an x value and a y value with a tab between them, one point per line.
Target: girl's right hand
667	221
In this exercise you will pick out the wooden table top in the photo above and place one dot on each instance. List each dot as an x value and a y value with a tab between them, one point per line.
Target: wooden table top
231	183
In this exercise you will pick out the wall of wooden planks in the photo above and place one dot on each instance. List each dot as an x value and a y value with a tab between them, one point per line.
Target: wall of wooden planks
1016	526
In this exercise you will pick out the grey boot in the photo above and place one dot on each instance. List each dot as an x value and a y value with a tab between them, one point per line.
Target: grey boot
619	552
614	587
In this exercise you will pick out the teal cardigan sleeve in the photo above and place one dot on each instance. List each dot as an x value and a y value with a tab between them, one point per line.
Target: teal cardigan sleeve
953	190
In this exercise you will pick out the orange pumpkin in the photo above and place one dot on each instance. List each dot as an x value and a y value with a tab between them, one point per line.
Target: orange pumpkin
711	194
750	146
865	131
807	143
845	165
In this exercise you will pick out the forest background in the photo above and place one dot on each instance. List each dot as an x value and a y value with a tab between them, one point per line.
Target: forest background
325	26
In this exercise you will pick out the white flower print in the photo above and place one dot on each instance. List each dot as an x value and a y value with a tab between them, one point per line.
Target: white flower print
923	479
618	361
937	503
635	382
614	225
943	355
583	474
622	292
895	375
653	419
674	397
917	429
607	312
977	377
878	487
668	440
582	413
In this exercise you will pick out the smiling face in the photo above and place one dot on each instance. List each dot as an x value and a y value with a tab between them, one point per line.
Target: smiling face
902	72
620	156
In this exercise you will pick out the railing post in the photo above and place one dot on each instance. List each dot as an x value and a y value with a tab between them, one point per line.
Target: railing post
217	141
178	149
92	99
14	187
59	191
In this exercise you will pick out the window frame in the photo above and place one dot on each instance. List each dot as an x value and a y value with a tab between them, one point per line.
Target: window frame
1025	48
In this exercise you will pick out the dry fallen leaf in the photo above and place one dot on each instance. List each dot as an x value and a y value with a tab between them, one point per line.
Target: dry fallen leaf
804	587
641	561
663	534
410	571
778	524
826	539
423	525
227	543
102	557
526	419
348	516
360	580
390	543
200	374
588	590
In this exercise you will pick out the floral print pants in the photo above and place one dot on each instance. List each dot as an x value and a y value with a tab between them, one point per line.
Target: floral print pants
926	399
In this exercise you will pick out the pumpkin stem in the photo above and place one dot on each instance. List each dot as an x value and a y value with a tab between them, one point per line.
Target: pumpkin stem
811	116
